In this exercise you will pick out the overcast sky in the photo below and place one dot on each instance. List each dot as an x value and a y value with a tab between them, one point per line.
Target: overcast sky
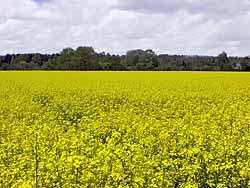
204	27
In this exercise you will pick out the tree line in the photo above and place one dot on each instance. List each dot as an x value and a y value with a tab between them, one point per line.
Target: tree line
85	58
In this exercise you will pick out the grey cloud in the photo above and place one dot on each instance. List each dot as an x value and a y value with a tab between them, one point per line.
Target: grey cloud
204	27
213	8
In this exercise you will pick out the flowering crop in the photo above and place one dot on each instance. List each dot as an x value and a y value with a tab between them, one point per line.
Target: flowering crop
124	129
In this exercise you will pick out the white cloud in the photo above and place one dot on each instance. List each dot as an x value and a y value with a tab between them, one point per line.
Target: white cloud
174	27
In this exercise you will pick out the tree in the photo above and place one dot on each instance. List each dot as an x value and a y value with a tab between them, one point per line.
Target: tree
141	60
86	59
7	58
223	60
151	55
37	59
19	58
67	51
1	61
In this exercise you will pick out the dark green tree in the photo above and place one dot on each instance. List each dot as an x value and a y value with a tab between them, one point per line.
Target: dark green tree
1	61
67	51
37	59
223	60
141	60
85	58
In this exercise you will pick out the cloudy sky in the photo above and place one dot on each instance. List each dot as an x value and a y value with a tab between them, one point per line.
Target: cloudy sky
204	27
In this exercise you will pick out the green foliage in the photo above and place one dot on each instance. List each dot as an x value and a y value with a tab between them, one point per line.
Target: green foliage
141	60
124	129
37	59
85	58
20	58
223	61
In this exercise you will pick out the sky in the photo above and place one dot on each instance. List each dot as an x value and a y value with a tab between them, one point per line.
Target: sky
189	27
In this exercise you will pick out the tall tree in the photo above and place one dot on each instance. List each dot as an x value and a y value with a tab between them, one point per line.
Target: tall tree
37	59
67	51
142	60
223	60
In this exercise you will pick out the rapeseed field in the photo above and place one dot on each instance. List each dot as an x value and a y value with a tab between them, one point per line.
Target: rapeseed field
124	129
